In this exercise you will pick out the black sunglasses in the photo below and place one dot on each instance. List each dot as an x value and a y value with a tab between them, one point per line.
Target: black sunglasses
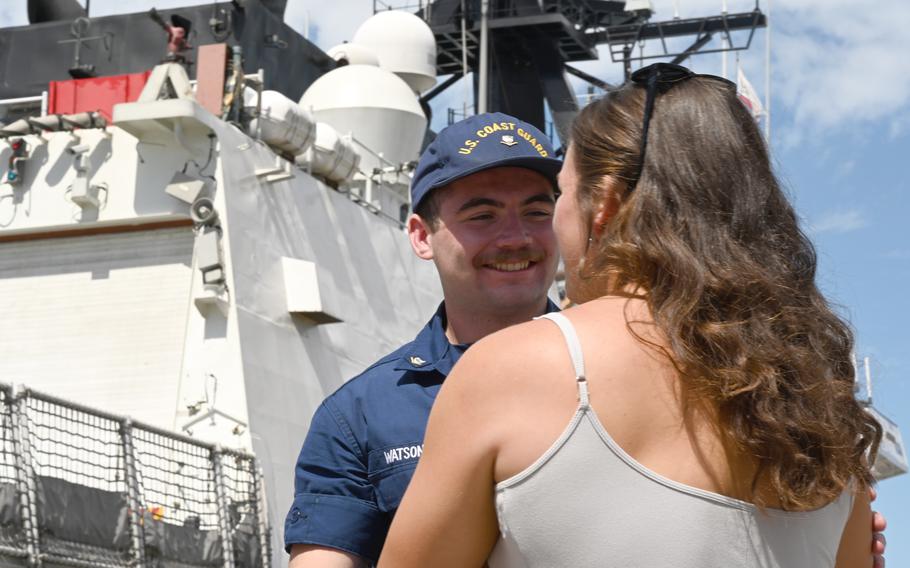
660	77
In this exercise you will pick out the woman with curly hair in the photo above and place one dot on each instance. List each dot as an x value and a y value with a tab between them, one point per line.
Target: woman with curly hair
695	408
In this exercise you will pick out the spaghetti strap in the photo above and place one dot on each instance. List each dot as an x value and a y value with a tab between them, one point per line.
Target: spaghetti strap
578	361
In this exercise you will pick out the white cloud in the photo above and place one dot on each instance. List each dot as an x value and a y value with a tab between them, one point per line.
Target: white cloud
838	222
834	66
13	15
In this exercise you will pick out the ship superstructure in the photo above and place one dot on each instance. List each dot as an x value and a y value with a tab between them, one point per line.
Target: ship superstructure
206	255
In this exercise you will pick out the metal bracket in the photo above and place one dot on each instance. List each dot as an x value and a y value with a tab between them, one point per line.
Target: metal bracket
280	171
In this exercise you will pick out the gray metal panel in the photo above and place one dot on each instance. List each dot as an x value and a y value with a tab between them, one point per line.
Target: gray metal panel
99	318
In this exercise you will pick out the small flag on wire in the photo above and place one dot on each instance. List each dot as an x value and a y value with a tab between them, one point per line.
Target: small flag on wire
747	94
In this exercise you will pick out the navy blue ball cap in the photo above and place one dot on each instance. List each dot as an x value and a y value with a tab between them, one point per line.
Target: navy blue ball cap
479	143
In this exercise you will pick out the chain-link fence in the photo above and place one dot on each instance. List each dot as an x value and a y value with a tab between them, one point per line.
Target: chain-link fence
81	487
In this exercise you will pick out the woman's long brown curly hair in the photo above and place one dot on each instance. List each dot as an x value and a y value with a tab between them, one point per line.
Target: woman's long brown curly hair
715	246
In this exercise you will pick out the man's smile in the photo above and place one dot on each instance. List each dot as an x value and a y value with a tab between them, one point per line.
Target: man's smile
511	266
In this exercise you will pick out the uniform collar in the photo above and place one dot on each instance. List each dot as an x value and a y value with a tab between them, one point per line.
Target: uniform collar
431	350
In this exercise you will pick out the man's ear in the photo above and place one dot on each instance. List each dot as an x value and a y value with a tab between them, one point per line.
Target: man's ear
420	236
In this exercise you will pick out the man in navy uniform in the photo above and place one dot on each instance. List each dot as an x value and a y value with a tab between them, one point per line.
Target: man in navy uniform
483	197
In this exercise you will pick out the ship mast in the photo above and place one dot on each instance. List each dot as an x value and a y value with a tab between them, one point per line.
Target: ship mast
531	45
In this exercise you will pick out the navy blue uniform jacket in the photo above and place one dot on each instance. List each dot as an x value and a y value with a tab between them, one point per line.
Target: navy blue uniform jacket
363	445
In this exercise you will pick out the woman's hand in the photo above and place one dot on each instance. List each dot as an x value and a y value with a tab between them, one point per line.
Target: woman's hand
879	524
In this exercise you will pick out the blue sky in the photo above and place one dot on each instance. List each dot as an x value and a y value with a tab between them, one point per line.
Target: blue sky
840	137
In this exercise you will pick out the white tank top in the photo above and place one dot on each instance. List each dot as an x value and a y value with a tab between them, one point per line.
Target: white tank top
586	502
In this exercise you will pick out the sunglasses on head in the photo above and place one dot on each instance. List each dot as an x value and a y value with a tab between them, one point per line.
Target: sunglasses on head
659	77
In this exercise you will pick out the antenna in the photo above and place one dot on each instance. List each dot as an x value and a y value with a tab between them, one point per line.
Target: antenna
767	76
868	369
892	454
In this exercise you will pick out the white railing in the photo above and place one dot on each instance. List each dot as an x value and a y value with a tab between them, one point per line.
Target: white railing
85	488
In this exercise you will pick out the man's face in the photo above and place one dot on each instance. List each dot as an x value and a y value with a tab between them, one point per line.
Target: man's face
493	244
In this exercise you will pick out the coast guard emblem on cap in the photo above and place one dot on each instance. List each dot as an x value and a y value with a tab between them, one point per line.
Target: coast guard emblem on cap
508	140
417	361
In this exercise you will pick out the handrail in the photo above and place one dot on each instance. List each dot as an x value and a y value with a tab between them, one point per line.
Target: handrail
148	489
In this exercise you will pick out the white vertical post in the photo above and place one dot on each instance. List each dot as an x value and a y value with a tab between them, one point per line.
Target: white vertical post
868	378
723	62
26	481
724	44
464	61
262	515
221	505
484	56
768	76
136	517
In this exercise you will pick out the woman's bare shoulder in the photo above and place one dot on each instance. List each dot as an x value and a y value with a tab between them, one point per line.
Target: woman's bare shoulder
535	351
496	377
510	351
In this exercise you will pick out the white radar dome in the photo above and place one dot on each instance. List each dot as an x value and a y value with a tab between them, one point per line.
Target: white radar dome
405	46
375	106
353	54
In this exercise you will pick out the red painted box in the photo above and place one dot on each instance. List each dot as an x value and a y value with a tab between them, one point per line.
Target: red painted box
95	93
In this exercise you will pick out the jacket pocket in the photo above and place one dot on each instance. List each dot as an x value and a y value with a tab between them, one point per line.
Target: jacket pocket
390	472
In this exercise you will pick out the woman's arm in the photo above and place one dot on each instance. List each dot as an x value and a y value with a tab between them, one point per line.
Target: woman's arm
854	550
447	516
309	556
